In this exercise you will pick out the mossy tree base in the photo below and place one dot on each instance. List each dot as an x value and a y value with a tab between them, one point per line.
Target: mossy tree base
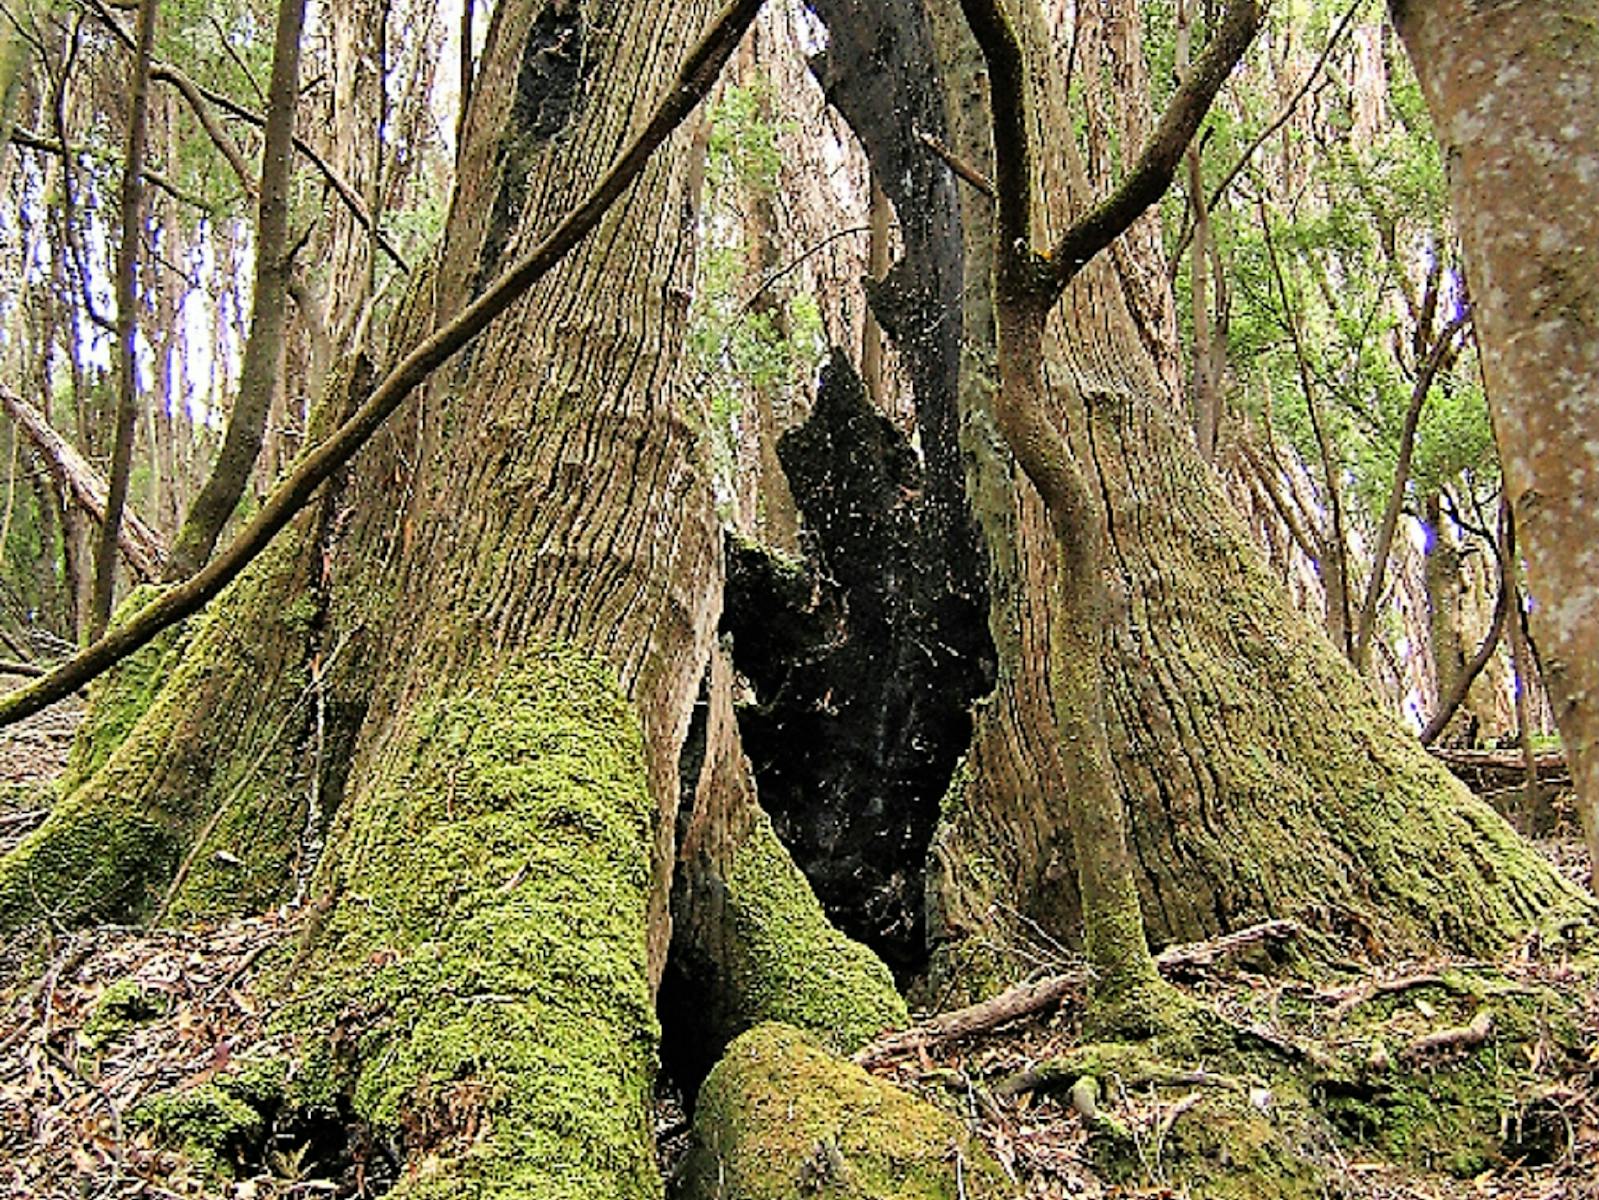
479	987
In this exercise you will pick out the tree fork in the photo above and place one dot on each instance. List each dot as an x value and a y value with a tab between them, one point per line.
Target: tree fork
1027	285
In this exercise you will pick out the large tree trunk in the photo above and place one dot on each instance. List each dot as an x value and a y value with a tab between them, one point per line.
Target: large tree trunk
482	653
1512	89
483	648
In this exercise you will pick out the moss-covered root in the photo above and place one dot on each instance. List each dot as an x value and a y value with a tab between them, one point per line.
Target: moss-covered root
194	737
790	964
780	1117
480	988
1227	1131
750	941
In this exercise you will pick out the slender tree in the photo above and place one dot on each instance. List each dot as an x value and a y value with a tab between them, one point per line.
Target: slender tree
127	329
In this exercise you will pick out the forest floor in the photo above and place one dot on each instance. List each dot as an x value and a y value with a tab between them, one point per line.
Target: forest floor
119	1016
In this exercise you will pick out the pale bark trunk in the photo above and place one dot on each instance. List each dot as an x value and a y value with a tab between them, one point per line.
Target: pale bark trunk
1513	89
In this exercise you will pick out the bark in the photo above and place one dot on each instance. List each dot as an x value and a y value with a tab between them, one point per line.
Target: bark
1512	90
260	371
1261	779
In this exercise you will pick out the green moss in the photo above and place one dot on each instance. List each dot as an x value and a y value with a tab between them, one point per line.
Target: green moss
1452	1111
480	986
122	1007
192	735
779	1117
790	964
208	1124
118	699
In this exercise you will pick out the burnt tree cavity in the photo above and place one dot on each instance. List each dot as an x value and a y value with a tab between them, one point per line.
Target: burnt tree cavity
549	92
864	662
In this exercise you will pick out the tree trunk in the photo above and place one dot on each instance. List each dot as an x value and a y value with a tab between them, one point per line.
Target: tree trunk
1512	89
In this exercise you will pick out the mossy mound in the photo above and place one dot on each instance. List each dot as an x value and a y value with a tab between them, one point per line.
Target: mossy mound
780	1117
210	1124
1225	1131
1454	1074
1451	1073
122	1007
790	965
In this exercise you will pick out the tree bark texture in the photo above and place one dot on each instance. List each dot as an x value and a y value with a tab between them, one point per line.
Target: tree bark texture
1512	88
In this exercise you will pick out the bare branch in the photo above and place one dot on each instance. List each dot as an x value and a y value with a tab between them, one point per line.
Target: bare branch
1443	352
141	546
1157	163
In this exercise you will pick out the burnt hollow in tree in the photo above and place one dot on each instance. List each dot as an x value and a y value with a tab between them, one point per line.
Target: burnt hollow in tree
864	663
549	93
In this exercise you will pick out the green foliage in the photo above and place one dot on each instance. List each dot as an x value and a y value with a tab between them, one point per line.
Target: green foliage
1356	224
748	337
743	149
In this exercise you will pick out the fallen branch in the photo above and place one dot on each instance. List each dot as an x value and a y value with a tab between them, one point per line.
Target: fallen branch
1025	999
1460	1037
142	548
1020	1001
1175	960
696	77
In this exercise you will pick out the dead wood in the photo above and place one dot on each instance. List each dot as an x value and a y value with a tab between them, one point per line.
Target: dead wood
1026	999
141	547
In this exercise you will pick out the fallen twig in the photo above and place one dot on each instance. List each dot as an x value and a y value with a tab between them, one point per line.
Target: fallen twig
1459	1037
1176	959
1028	998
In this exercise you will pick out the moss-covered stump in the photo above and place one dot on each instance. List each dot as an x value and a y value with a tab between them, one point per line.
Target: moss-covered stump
750	942
779	1117
479	989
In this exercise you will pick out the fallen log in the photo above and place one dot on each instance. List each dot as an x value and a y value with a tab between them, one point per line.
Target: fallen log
142	548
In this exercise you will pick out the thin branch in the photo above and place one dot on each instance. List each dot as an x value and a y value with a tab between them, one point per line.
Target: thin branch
1490	642
696	77
1157	163
29	140
1443	352
1269	485
956	163
1277	122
